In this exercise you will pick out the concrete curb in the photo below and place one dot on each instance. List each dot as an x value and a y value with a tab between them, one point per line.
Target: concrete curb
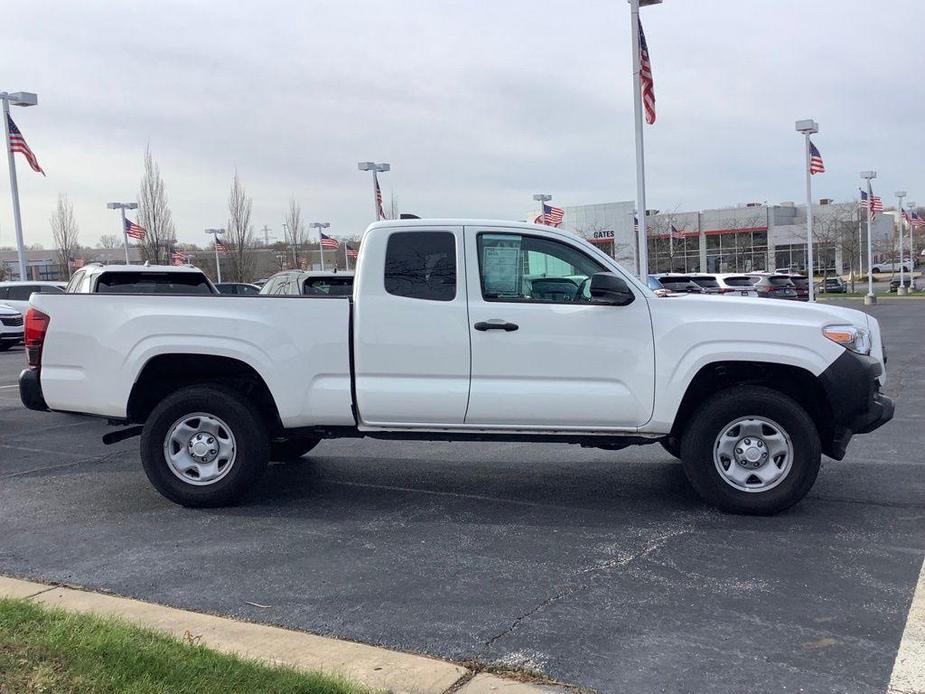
373	667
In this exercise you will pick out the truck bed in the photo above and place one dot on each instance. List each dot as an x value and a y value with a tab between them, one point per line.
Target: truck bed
98	344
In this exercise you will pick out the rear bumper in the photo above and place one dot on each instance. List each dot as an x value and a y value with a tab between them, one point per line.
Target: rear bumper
30	390
858	406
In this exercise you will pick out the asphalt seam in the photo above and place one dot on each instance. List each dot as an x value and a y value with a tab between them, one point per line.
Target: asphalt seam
94	459
620	562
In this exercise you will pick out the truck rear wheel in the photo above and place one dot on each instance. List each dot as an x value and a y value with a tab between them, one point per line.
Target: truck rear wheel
204	446
751	450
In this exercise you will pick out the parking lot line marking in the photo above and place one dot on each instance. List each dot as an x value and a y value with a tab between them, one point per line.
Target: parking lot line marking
12	386
909	668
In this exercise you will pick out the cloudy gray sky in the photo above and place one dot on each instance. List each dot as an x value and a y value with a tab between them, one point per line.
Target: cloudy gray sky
476	104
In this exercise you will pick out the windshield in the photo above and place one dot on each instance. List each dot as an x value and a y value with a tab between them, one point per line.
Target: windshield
780	282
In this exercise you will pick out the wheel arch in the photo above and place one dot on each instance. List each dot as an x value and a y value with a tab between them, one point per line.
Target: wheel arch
165	373
795	382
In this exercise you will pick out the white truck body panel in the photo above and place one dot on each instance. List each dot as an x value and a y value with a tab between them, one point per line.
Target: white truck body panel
100	343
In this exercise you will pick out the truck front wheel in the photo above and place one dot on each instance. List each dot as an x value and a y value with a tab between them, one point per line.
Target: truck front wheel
204	446
751	450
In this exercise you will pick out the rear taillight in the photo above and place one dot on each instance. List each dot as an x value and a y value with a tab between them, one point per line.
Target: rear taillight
34	338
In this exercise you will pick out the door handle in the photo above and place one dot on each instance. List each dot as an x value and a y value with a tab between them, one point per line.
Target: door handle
496	324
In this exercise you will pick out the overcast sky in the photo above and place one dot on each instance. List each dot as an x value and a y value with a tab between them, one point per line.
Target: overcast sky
477	105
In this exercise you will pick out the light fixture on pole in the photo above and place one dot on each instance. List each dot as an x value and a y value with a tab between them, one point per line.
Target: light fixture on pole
641	238
871	298
911	207
122	207
901	289
17	99
542	198
377	192
218	267
319	226
807	128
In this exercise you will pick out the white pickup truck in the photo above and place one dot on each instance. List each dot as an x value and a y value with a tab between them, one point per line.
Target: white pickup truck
466	330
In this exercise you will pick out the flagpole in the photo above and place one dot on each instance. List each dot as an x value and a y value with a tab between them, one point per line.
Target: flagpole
124	236
346	257
642	257
901	290
375	197
810	265
860	245
14	191
871	298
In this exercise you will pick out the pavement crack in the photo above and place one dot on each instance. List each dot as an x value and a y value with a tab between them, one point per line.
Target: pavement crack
108	458
621	561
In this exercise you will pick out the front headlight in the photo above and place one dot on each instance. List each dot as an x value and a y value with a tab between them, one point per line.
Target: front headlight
850	337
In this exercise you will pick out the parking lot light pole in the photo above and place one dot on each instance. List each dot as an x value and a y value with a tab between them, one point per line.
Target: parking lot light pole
319	226
807	128
377	193
871	298
17	99
901	290
542	198
911	207
218	267
122	207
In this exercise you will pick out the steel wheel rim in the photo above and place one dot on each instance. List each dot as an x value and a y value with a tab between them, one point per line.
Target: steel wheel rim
753	454
200	449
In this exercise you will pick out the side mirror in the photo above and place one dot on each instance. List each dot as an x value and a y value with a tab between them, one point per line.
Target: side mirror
609	288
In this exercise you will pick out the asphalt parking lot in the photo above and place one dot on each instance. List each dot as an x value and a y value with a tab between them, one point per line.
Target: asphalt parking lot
599	569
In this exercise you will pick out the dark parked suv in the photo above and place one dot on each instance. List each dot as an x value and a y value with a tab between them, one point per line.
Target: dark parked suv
775	287
680	283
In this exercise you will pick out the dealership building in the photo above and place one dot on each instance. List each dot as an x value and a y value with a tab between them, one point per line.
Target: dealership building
747	238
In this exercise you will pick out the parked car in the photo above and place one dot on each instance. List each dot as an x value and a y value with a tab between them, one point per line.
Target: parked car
445	339
238	288
832	285
910	284
707	283
736	284
16	294
309	283
774	286
801	285
880	268
139	279
11	327
679	283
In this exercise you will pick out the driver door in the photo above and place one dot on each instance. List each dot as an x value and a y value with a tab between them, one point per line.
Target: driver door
569	363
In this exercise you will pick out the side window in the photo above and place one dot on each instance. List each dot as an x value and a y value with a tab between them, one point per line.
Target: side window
4	293
22	292
75	281
421	265
533	269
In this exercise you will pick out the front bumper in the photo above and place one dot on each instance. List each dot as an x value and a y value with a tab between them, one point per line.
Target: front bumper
30	390
11	337
858	407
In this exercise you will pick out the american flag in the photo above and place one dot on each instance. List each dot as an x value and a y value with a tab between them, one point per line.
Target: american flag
178	257
351	251
327	241
77	262
635	224
675	233
645	78
220	245
552	216
133	230
815	160
18	144
915	220
875	204
380	213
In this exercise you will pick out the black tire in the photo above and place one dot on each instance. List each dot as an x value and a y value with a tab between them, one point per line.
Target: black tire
724	408
875	271
291	449
672	446
252	445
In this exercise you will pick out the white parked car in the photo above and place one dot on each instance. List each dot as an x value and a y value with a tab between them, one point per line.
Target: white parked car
309	283
11	327
878	268
16	294
467	330
736	284
139	279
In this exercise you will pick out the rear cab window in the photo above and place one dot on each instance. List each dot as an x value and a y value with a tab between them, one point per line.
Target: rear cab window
421	265
328	286
153	283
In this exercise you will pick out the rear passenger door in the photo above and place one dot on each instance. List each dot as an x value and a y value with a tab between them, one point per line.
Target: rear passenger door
411	328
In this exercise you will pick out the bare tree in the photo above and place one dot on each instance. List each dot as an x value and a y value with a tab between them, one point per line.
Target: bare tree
154	214
294	229
65	231
239	232
108	241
